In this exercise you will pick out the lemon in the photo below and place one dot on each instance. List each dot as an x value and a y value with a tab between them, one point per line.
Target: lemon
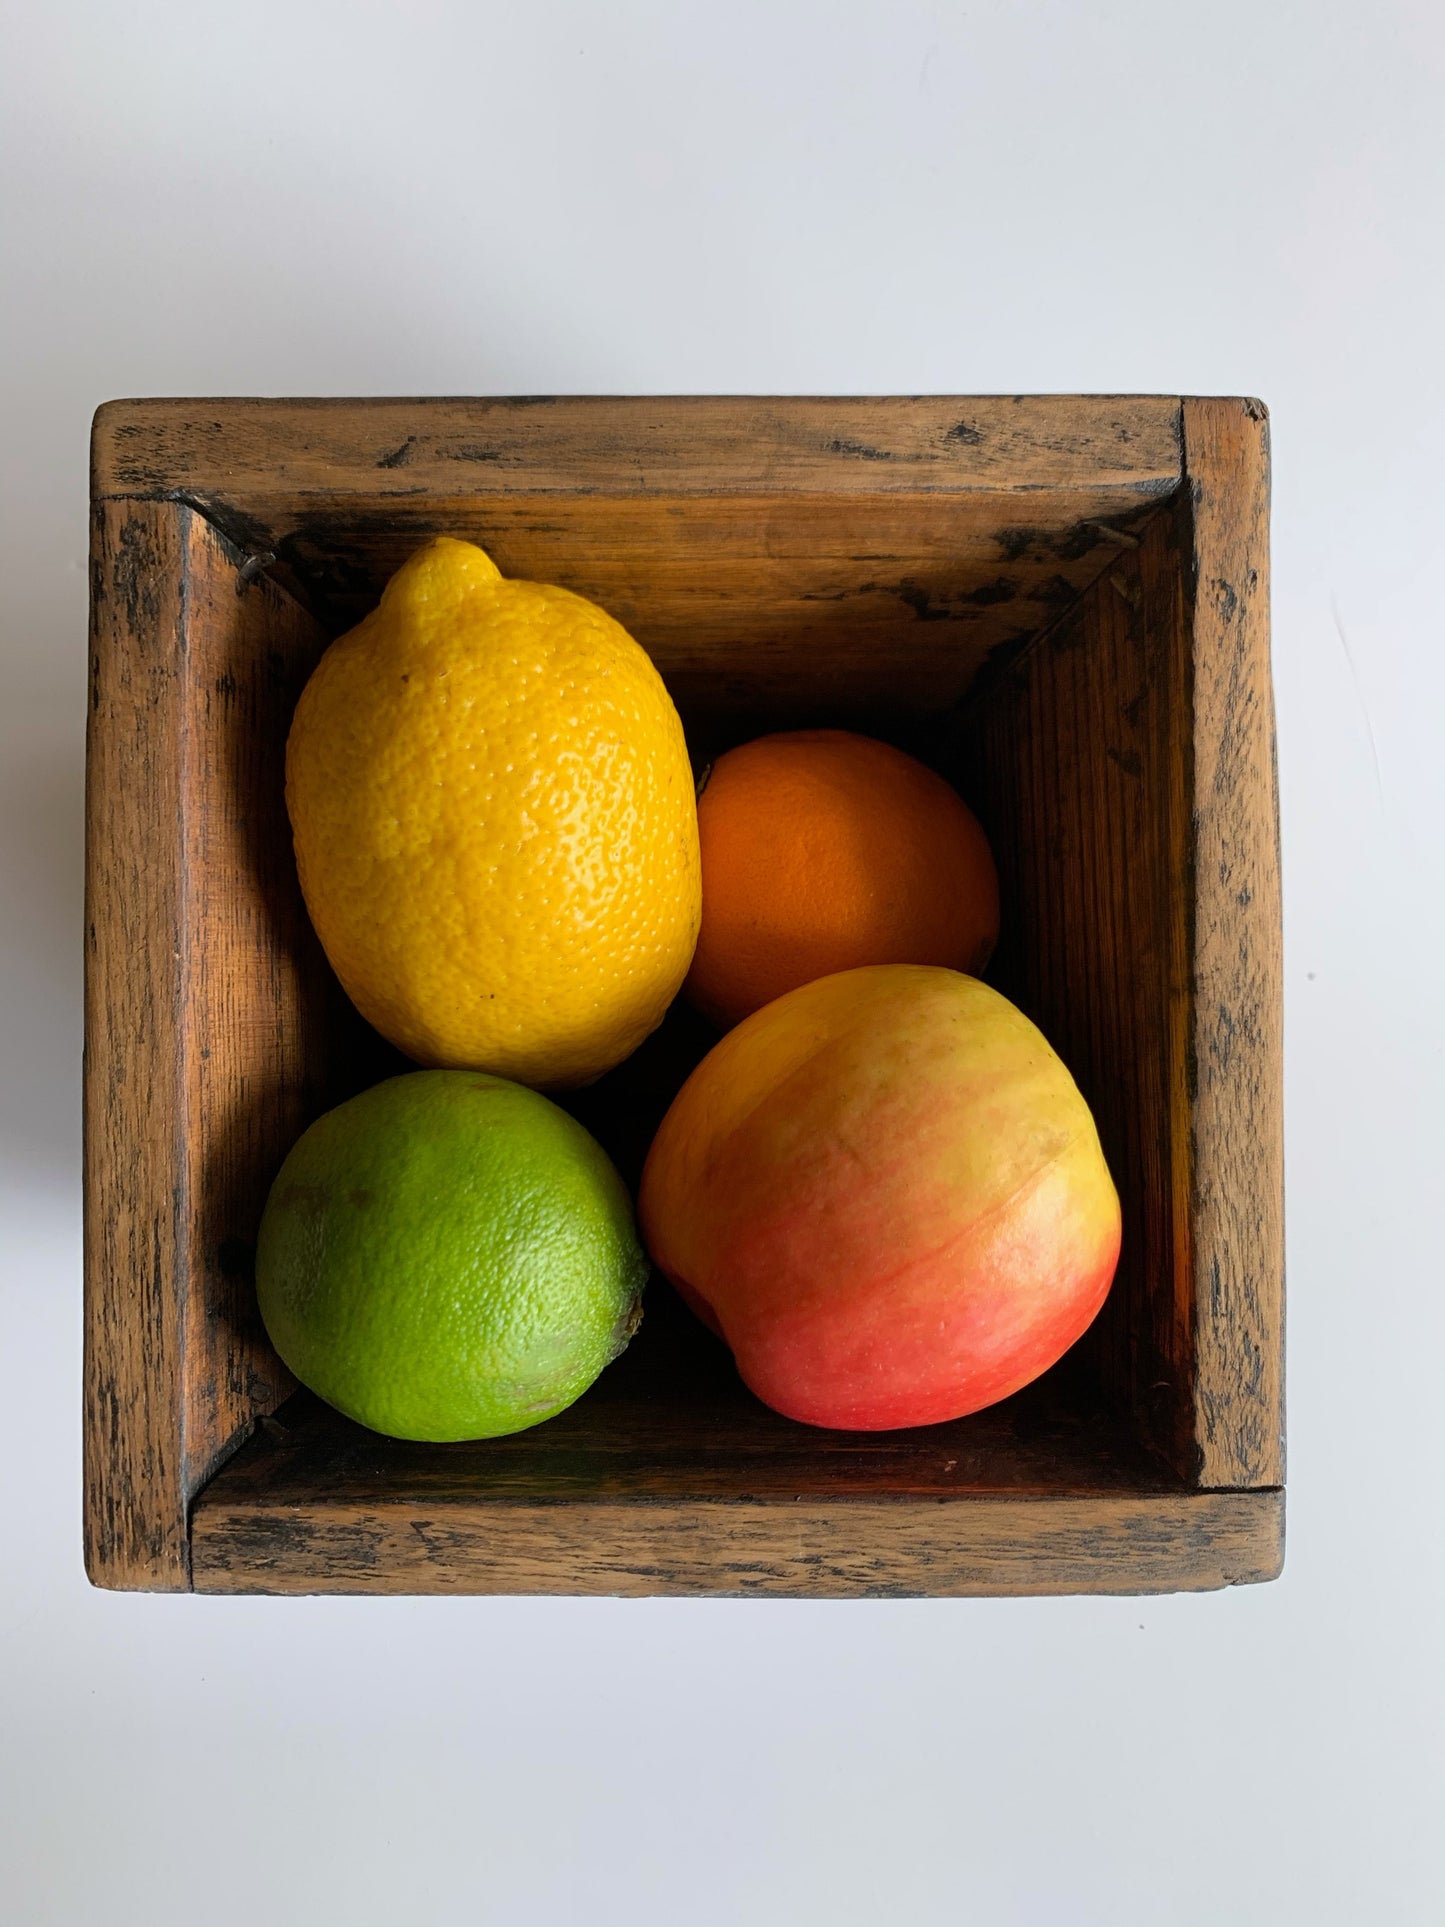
448	1256
495	823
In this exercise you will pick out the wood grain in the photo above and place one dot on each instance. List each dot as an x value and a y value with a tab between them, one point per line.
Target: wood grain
669	1477
672	1420
1102	616
1237	1215
350	454
834	552
400	1543
135	1235
1124	764
784	603
262	1018
1079	750
210	1024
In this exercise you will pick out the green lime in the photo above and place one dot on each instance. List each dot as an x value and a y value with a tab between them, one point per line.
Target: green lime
448	1256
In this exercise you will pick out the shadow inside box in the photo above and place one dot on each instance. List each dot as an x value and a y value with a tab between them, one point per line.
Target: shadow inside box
672	1420
623	1109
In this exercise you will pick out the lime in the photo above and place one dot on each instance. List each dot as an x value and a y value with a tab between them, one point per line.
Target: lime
448	1256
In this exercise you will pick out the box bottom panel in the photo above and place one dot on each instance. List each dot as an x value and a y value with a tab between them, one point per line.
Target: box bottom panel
670	1478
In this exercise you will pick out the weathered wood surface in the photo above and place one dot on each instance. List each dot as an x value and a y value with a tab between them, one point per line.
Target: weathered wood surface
135	1325
782	558
668	1477
399	1543
1235	1038
351	452
830	554
671	1420
208	1018
789	605
1124	763
1079	747
262	1018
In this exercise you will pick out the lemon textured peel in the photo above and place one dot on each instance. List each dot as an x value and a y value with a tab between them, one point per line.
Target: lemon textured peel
495	823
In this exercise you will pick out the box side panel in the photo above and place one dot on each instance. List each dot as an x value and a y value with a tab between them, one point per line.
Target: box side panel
209	1028
260	1021
781	603
1106	1544
1077	751
774	554
135	1217
1237	1214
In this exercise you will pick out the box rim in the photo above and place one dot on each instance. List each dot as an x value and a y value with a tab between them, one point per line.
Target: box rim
1209	460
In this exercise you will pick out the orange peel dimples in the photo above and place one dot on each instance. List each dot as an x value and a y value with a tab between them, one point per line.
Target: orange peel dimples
826	851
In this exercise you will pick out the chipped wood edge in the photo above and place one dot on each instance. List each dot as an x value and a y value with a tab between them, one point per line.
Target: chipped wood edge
1236	1102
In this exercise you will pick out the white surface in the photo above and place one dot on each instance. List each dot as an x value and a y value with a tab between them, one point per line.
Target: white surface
755	196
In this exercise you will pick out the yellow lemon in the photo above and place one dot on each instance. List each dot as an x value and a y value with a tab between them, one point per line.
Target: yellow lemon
495	823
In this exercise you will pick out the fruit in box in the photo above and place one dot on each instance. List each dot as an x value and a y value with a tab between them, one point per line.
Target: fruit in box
885	1191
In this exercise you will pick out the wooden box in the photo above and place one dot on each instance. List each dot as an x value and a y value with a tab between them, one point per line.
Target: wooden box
1062	603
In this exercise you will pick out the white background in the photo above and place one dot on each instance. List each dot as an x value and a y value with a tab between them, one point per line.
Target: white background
765	195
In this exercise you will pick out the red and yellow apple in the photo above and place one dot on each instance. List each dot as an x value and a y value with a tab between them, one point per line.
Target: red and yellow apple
885	1192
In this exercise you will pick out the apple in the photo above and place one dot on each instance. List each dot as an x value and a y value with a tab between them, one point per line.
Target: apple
886	1193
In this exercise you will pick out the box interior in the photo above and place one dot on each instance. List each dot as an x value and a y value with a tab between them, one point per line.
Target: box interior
1023	643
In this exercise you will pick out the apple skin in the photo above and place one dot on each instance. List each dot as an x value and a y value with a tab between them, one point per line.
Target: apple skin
885	1192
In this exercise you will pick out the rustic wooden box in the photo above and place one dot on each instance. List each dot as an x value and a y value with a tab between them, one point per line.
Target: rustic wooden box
1061	602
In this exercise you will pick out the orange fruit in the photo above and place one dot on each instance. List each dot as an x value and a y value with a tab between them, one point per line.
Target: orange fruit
825	851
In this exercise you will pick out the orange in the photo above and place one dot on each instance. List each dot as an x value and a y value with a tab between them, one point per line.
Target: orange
825	851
